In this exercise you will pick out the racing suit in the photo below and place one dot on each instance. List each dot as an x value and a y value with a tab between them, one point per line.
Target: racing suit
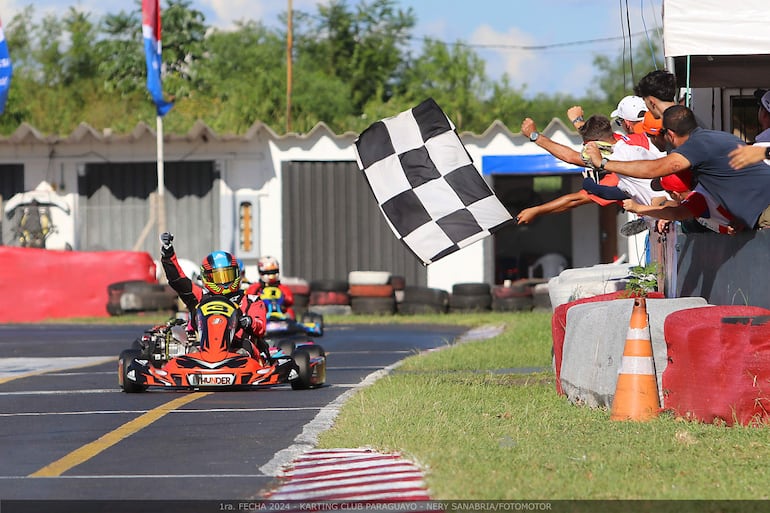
284	296
191	293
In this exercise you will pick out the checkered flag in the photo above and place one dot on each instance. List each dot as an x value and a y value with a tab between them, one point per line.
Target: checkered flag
425	184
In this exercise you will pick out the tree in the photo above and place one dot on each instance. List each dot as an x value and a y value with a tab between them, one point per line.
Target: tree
363	48
453	76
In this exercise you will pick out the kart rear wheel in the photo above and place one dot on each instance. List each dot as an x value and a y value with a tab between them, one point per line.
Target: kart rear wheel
302	360
124	360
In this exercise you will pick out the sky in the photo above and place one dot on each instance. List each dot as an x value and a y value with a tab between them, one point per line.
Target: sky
545	46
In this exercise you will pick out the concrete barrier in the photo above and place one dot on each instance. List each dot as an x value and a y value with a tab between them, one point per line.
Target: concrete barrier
594	341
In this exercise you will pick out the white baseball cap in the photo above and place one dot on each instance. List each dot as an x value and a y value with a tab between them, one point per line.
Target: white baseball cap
630	108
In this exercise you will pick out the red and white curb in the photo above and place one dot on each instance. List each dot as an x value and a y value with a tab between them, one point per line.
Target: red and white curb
351	474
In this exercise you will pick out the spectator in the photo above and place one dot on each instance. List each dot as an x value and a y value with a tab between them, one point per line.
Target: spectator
628	115
760	150
599	130
745	193
687	203
658	90
763	117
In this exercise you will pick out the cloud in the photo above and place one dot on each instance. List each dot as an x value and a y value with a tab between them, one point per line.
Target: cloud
505	54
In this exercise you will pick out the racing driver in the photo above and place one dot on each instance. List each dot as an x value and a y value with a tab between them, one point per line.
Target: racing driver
220	275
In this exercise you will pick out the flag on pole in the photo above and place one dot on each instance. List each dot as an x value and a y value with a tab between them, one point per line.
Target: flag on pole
432	196
6	70
152	51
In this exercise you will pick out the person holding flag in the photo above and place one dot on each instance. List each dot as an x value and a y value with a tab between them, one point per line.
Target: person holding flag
152	49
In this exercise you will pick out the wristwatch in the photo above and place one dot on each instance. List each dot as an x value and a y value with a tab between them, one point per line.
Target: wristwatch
767	153
533	136
604	163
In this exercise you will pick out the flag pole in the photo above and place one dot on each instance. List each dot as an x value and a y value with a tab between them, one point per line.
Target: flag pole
161	176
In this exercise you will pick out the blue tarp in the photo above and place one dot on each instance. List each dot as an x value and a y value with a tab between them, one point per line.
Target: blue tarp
541	164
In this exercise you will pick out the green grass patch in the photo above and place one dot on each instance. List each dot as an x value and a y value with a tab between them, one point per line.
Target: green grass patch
483	430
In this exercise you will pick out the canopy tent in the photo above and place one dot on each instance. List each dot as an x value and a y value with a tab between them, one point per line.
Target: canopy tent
717	43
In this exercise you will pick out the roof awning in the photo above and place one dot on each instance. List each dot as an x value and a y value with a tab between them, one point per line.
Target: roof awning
541	164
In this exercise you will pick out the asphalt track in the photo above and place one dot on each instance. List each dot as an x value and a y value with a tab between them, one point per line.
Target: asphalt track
68	433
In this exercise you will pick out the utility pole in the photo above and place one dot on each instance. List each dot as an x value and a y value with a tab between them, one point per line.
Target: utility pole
289	45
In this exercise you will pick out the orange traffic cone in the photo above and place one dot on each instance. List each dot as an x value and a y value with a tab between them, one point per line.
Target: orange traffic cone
636	394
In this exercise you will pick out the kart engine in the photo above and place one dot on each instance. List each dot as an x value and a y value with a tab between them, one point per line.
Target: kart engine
168	342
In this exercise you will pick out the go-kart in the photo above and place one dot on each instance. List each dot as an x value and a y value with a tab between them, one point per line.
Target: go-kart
169	356
283	331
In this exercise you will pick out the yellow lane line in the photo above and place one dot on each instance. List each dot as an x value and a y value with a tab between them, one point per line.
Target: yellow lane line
88	451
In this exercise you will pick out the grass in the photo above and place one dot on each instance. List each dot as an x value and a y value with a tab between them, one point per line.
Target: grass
483	430
484	421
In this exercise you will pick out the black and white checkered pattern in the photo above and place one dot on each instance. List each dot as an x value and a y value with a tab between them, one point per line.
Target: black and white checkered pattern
425	183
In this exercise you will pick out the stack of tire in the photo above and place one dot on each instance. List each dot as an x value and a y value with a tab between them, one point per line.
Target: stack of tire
139	296
423	300
512	298
398	282
329	297
371	293
470	297
300	289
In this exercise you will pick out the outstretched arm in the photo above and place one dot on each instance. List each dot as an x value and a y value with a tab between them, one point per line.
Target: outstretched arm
670	164
561	152
560	204
670	211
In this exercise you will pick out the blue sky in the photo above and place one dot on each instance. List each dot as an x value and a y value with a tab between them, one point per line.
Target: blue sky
502	32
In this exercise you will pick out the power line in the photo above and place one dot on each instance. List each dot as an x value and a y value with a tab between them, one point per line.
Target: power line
532	47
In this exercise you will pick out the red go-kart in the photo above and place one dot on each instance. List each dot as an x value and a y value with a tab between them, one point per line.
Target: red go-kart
167	357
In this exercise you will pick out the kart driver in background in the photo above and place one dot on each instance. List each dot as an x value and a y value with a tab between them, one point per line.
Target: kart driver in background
269	281
220	275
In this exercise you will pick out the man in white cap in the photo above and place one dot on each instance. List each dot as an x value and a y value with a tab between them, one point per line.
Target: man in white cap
629	114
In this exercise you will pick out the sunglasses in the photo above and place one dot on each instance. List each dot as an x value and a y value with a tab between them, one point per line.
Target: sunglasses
663	131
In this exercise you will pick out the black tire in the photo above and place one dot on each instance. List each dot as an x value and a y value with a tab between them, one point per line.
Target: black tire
314	350
512	304
471	289
373	305
470	303
409	308
114	309
124	360
286	346
427	295
302	361
329	286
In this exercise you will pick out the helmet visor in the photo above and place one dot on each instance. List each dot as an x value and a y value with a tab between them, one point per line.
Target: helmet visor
225	275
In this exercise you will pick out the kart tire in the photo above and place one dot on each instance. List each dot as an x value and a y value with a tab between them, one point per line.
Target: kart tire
124	360
302	361
314	350
286	346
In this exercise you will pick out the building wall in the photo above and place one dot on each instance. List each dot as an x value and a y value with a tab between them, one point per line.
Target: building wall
250	170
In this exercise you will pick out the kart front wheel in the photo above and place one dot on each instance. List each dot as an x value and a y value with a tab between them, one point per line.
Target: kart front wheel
302	360
124	361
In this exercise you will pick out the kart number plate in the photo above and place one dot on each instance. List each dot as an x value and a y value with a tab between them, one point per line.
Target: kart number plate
214	379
